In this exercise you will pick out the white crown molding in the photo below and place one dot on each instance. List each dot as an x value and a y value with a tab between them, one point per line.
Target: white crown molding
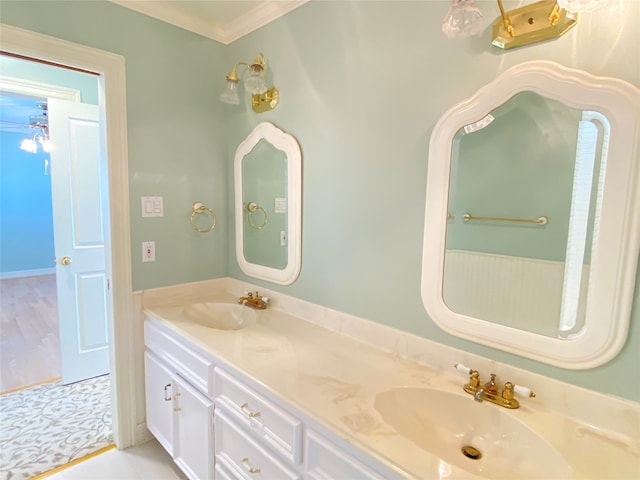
260	15
257	17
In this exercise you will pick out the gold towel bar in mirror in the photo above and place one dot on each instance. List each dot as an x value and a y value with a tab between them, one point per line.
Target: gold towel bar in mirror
539	221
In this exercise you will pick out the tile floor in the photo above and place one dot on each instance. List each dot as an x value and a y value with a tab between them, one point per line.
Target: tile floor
148	461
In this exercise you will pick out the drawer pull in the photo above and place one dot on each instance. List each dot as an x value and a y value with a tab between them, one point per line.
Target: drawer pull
249	468
167	398
177	408
245	409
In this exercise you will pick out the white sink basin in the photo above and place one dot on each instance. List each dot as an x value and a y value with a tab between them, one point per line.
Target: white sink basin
221	316
442	423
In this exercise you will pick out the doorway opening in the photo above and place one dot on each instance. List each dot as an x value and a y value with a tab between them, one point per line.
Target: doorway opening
53	385
119	298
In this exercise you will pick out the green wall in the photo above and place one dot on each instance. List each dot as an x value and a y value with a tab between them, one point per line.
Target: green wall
176	138
362	84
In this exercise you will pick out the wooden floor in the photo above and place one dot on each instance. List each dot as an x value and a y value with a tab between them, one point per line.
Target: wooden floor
29	339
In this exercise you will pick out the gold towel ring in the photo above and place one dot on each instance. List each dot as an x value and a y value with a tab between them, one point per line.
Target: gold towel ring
198	208
252	207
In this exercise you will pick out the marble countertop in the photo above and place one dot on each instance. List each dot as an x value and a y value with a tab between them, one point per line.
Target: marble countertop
336	380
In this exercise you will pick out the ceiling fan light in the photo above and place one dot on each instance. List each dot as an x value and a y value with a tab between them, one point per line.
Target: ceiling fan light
29	145
46	144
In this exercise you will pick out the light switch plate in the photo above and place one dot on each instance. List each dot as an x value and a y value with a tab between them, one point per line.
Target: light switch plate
152	206
280	205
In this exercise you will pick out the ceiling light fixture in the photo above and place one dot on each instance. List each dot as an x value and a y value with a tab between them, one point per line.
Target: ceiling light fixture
40	124
263	97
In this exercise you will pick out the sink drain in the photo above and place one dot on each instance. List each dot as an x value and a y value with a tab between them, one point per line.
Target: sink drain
471	452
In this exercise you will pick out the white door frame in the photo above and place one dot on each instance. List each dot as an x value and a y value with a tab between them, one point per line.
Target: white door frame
38	89
112	102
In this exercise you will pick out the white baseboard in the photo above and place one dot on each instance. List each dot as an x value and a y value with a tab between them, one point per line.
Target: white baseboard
143	434
27	273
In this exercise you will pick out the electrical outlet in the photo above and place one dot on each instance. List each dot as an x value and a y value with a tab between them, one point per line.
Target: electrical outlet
148	251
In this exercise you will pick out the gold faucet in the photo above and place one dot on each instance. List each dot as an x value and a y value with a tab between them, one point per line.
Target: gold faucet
490	390
254	301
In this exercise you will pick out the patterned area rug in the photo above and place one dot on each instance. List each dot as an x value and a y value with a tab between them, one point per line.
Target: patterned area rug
47	426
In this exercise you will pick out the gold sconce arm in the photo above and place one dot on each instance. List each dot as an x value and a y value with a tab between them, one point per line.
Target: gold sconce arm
506	21
233	74
259	62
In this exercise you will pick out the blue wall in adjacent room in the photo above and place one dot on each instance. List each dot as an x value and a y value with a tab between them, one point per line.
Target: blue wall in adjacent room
26	218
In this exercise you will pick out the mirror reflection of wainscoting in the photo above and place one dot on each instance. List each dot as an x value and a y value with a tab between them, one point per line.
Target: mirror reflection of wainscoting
517	292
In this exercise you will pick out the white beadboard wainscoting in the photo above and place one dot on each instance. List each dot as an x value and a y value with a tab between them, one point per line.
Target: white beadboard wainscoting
518	292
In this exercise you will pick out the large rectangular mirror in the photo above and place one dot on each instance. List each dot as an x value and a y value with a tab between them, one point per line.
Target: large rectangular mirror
532	224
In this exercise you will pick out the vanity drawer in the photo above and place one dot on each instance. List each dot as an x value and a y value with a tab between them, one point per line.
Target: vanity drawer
239	456
223	470
190	365
267	421
324	460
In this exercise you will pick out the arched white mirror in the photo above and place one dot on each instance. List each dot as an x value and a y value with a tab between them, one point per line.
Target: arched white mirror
268	183
532	223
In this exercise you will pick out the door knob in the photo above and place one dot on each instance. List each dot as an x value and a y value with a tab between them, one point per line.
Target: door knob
66	261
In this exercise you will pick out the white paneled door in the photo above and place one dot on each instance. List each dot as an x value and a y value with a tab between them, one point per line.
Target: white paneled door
79	191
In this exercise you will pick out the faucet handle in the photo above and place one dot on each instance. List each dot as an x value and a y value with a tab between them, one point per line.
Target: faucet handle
524	391
462	368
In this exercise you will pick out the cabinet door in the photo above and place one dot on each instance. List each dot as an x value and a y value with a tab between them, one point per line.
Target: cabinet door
159	393
193	450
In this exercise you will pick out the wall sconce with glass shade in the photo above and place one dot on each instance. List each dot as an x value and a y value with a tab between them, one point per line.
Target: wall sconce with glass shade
531	23
263	97
40	125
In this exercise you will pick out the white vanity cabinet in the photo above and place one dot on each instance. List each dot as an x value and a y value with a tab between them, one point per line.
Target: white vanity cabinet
258	437
252	435
179	415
